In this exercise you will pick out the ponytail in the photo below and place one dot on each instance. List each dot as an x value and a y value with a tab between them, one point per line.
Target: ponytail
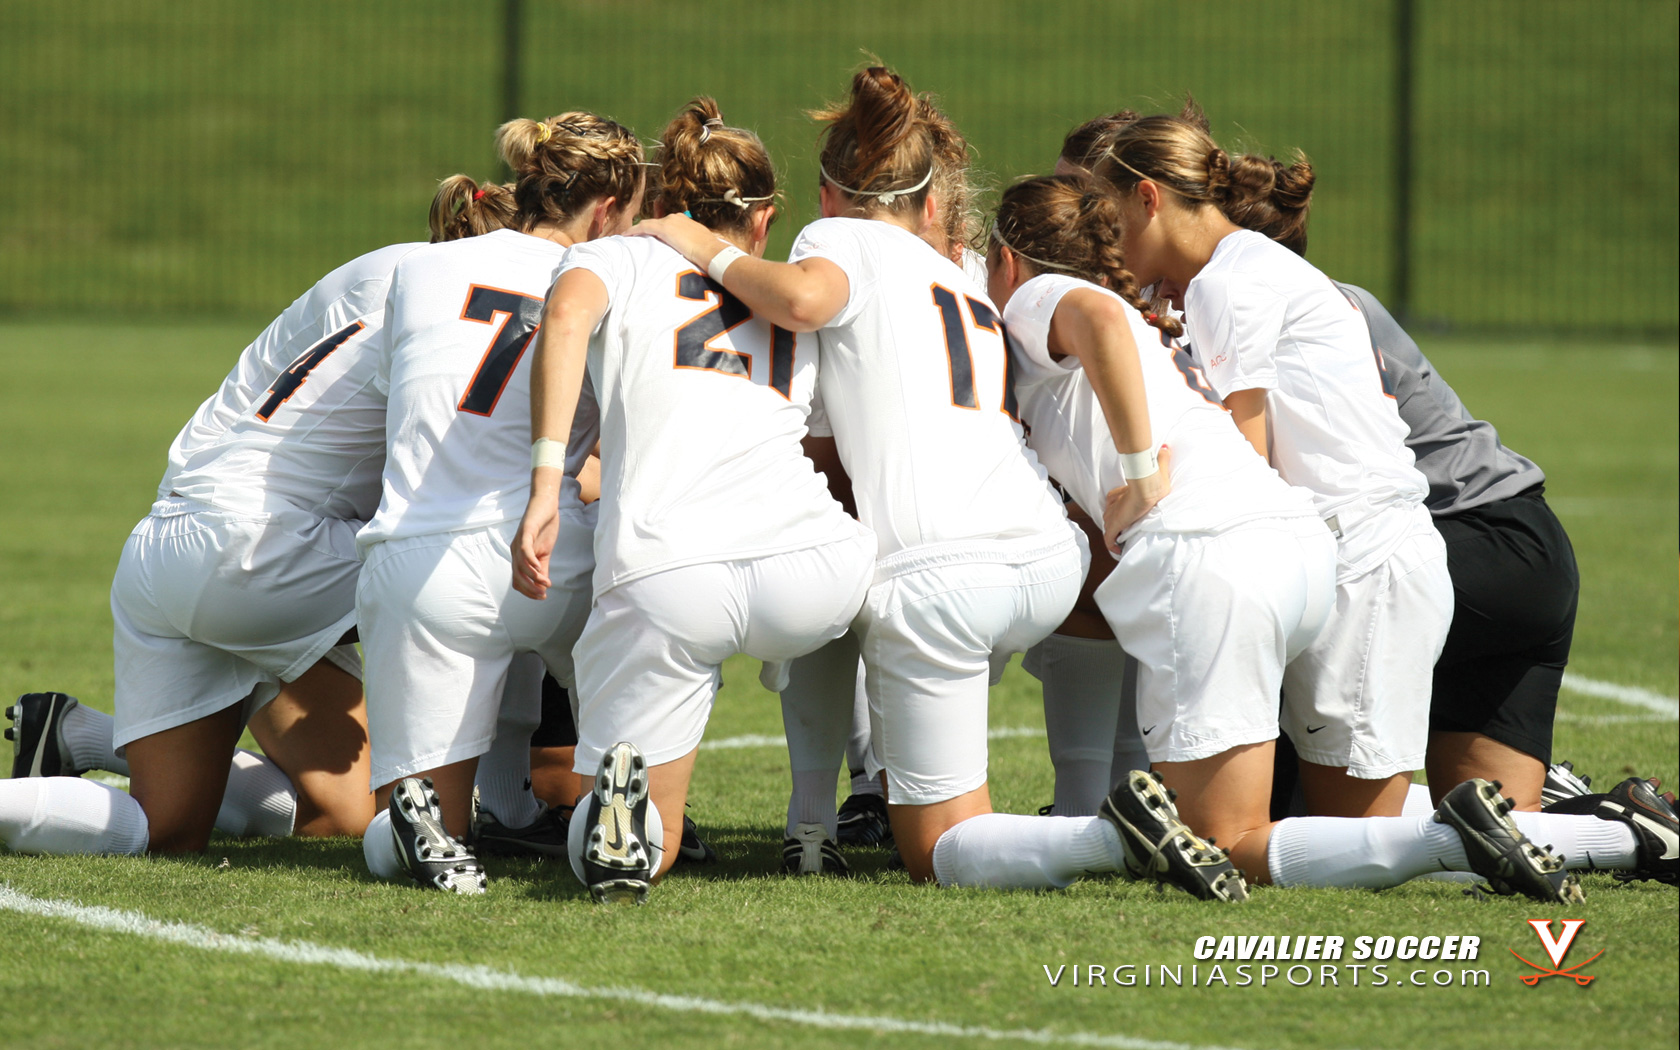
465	208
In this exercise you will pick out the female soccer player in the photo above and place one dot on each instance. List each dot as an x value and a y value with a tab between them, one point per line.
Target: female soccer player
976	559
243	569
438	620
717	535
1226	580
1281	348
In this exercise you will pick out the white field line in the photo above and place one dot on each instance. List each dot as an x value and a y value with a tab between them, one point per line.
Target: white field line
484	978
1624	694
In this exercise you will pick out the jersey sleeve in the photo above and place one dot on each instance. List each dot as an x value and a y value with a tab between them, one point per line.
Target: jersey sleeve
1028	315
1234	328
608	259
834	240
817	424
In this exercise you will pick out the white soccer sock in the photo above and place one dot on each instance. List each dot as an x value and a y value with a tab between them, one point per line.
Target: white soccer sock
504	772
1010	851
817	712
1586	843
1082	683
812	801
1129	752
70	815
259	800
87	736
1372	852
379	848
1418	803
857	745
864	784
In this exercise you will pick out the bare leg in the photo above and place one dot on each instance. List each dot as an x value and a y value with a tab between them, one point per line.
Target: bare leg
454	786
917	828
1227	798
316	731
179	775
1456	757
1331	792
552	779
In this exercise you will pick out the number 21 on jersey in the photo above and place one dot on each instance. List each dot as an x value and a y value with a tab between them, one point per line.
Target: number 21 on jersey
693	339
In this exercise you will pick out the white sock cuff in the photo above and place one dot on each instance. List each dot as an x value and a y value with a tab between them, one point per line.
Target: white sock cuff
1289	854
379	849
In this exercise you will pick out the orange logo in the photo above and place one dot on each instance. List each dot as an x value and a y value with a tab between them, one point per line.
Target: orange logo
1556	948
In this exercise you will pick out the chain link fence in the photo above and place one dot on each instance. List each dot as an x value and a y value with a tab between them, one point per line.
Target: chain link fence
1504	166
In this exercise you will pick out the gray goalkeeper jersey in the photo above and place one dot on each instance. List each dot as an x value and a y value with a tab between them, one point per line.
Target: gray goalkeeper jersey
1459	454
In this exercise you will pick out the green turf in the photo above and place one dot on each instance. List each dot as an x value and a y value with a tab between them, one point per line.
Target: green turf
85	416
215	155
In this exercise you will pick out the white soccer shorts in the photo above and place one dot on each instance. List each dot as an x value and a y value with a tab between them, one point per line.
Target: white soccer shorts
936	632
212	608
440	623
648	661
1213	619
1359	696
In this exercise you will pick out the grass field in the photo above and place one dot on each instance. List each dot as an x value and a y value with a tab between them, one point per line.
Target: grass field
290	943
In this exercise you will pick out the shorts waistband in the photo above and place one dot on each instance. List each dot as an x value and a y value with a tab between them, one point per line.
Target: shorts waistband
1016	551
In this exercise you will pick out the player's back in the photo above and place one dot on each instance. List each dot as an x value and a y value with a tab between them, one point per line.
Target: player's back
453	363
702	409
915	382
298	421
1258	314
1218	480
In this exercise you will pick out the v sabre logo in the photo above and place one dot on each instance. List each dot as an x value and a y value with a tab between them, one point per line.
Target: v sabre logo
1556	948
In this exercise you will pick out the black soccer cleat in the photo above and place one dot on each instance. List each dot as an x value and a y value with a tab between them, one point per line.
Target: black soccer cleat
1498	851
617	860
544	837
1635	802
1562	782
1161	847
433	857
863	822
37	748
809	851
692	848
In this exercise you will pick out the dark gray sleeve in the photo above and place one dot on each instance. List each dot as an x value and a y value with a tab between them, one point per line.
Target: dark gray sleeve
1460	455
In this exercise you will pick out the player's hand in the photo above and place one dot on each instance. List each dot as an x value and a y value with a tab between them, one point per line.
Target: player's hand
532	545
1128	503
682	233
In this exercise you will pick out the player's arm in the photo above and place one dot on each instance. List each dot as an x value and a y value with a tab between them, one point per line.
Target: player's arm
801	296
1093	327
574	307
1248	412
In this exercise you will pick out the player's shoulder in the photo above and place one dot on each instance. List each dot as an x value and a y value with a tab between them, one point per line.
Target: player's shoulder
364	276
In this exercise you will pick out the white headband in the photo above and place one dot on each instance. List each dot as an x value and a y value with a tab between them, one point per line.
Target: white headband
1040	263
706	128
887	197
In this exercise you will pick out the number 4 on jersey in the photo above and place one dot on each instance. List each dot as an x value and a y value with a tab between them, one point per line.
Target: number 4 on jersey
297	373
521	314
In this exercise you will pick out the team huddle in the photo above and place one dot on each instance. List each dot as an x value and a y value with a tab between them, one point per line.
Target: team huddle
553	468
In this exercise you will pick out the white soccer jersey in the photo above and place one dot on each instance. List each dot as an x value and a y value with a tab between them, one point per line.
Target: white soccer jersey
916	385
298	423
453	362
1217	480
702	409
1258	316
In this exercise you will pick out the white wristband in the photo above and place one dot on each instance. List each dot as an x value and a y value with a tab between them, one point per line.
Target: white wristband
720	262
547	452
1135	465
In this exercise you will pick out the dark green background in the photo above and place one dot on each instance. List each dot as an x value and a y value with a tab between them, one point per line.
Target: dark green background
215	157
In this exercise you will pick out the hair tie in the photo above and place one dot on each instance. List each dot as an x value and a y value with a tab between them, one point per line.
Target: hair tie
706	128
478	195
887	197
733	196
542	133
